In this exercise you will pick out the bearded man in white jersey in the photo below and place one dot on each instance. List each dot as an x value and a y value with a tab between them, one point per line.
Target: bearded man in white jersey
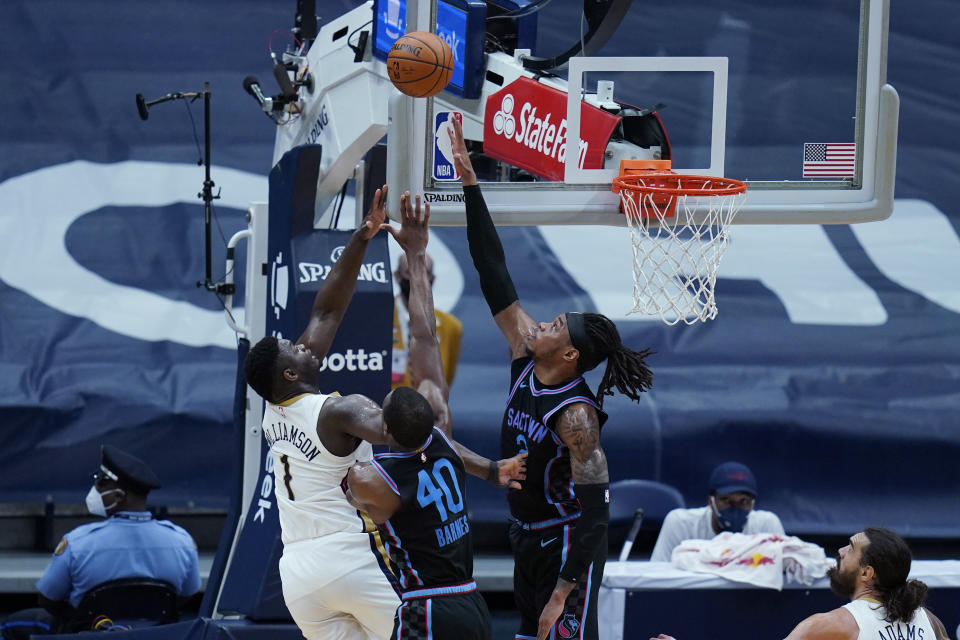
872	573
335	581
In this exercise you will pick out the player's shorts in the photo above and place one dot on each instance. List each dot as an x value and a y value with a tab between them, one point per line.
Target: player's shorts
457	616
336	588
537	558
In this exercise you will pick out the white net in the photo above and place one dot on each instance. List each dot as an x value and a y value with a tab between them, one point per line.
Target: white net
678	241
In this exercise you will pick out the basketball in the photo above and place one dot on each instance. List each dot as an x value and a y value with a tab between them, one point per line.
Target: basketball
420	64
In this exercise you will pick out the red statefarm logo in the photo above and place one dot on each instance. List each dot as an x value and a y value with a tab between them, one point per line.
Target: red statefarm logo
525	124
537	133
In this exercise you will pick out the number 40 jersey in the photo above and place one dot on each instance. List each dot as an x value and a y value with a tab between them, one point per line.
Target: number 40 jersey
429	536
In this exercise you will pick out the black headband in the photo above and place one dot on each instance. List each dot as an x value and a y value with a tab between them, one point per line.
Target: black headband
590	357
577	331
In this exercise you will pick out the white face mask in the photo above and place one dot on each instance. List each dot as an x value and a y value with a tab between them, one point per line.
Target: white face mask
95	503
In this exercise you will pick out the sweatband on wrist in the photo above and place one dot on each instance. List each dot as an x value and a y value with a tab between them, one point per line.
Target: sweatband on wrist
487	253
590	532
493	472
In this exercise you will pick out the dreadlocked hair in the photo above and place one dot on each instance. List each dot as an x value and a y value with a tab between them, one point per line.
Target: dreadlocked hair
260	365
626	369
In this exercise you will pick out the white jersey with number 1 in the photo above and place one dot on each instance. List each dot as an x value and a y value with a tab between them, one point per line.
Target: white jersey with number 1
333	569
307	477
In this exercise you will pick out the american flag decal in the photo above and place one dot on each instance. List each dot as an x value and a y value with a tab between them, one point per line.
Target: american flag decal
829	159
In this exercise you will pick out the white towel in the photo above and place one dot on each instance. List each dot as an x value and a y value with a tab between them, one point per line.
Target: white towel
758	559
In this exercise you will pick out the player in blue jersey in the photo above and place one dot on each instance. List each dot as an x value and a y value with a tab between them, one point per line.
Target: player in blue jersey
559	528
416	490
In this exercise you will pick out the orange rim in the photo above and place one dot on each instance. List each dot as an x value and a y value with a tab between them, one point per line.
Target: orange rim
678	184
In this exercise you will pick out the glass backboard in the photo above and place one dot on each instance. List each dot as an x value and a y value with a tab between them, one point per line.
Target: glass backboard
789	97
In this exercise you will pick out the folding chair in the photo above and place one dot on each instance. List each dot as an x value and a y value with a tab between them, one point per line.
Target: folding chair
126	600
636	501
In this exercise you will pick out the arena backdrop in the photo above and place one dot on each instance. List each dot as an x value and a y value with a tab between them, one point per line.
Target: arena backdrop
833	369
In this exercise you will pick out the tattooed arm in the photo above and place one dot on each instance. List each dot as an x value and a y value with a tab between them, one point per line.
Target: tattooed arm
579	428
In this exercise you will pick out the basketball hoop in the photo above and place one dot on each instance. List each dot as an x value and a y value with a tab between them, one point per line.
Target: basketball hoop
679	231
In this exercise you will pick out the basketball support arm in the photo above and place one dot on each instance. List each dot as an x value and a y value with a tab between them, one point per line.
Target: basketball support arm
352	105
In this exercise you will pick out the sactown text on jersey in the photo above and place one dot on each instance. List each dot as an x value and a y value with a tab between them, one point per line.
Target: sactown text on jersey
526	424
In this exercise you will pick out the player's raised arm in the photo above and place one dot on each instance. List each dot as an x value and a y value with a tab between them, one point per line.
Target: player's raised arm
426	366
487	253
335	293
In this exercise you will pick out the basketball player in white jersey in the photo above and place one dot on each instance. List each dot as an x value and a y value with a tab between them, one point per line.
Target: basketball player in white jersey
884	605
335	583
872	572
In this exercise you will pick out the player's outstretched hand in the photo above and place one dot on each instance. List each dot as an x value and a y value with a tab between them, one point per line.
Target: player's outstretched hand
414	234
510	471
378	213
461	159
663	636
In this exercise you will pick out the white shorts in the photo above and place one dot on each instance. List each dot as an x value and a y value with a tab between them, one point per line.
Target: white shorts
335	588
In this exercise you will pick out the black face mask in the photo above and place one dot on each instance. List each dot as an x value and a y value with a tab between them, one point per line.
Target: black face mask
733	519
404	289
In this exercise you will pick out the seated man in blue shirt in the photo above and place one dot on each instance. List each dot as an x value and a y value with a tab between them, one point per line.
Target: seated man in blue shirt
129	543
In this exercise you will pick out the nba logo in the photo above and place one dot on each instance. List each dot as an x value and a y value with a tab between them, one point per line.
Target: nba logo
443	168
